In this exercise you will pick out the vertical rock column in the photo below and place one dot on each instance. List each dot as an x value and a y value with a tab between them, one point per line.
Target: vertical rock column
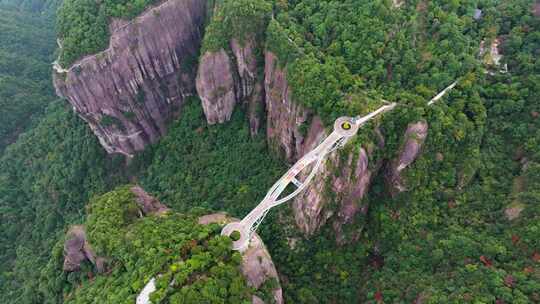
216	86
225	79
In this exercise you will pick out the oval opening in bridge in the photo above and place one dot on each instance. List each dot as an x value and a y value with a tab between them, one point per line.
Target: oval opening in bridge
346	125
235	235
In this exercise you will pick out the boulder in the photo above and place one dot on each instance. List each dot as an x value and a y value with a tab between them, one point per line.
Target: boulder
77	250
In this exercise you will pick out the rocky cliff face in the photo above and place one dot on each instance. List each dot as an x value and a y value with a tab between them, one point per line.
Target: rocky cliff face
76	247
229	78
343	179
284	117
415	135
129	92
226	79
216	86
148	204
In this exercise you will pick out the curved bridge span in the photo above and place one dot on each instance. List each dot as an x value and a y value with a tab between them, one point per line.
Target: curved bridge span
344	129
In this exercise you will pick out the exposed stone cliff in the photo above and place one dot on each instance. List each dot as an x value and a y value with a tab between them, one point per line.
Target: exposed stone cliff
216	86
129	92
77	250
229	77
284	117
148	204
225	79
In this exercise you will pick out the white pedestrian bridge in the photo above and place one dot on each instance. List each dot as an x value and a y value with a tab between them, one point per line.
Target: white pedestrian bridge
344	129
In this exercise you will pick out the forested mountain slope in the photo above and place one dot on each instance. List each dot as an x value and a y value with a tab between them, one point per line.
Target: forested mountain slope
46	176
129	236
43	7
427	205
28	41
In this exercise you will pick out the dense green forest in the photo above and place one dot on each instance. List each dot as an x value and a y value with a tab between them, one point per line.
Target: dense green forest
447	240
45	179
25	56
216	167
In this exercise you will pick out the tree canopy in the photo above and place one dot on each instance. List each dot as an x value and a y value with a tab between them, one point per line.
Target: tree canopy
192	263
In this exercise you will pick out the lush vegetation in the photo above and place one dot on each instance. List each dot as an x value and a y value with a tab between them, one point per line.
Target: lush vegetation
45	178
241	20
447	240
216	167
192	263
83	25
44	7
229	170
335	50
25	56
451	240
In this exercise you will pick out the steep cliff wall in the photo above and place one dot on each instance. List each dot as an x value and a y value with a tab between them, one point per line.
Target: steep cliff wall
216	86
225	79
229	68
284	117
129	92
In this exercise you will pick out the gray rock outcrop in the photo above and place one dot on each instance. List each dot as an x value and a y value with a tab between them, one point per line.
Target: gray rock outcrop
147	203
415	135
285	118
129	92
216	86
348	180
76	247
77	250
226	79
